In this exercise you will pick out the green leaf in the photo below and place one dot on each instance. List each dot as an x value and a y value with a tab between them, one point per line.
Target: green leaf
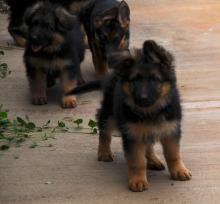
30	126
95	131
21	121
3	114
61	124
78	122
92	123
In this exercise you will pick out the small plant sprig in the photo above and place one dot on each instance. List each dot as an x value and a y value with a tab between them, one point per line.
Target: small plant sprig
14	132
78	122
4	70
93	126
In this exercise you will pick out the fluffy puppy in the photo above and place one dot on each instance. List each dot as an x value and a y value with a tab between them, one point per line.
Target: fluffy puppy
142	101
54	49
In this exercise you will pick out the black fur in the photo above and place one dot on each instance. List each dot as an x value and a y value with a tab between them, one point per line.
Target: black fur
106	23
54	46
87	87
107	27
142	98
16	26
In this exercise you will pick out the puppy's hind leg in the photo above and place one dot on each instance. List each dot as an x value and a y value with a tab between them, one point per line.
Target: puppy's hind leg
106	128
153	161
68	83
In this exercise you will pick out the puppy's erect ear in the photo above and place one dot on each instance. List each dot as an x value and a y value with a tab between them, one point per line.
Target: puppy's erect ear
106	16
65	19
124	14
30	11
121	62
157	54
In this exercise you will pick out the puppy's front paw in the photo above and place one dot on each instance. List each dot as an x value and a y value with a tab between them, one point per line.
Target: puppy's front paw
138	184
39	100
69	102
104	155
180	173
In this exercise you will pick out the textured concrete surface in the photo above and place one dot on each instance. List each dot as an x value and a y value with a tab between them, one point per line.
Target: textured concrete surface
70	173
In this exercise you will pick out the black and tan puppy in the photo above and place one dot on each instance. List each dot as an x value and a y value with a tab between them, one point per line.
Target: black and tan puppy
106	23
16	25
141	99
54	49
107	27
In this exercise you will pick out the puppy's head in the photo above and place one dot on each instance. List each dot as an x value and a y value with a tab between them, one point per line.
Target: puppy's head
112	27
47	26
147	76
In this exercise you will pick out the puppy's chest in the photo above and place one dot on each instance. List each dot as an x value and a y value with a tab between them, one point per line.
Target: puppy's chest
56	63
148	132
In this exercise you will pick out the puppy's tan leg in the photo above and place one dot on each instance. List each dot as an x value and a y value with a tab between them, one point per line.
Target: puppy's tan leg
19	40
171	148
104	149
99	62
137	166
38	88
67	84
153	162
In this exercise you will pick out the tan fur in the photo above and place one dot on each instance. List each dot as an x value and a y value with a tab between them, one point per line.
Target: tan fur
104	149
153	160
58	40
85	38
68	84
124	43
69	102
76	7
126	88
20	41
38	88
141	131
161	101
165	89
56	63
175	164
137	167
100	64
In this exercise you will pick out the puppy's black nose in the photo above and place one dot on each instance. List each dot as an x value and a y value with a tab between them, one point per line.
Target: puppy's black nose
34	38
144	97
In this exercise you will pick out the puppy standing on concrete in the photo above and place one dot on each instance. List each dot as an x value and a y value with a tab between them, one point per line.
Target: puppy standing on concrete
141	99
54	49
106	23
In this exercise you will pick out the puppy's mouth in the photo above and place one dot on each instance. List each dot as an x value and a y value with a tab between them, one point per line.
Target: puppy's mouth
37	48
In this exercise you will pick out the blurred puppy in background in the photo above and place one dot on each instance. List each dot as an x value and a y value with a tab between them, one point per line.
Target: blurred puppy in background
54	49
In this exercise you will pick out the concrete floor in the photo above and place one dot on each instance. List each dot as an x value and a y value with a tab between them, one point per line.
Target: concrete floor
70	173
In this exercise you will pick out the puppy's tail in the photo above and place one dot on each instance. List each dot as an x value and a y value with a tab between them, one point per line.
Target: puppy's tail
87	87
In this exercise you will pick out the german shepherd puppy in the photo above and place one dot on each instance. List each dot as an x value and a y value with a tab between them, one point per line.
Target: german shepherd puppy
54	49
106	23
107	27
141	99
16	25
